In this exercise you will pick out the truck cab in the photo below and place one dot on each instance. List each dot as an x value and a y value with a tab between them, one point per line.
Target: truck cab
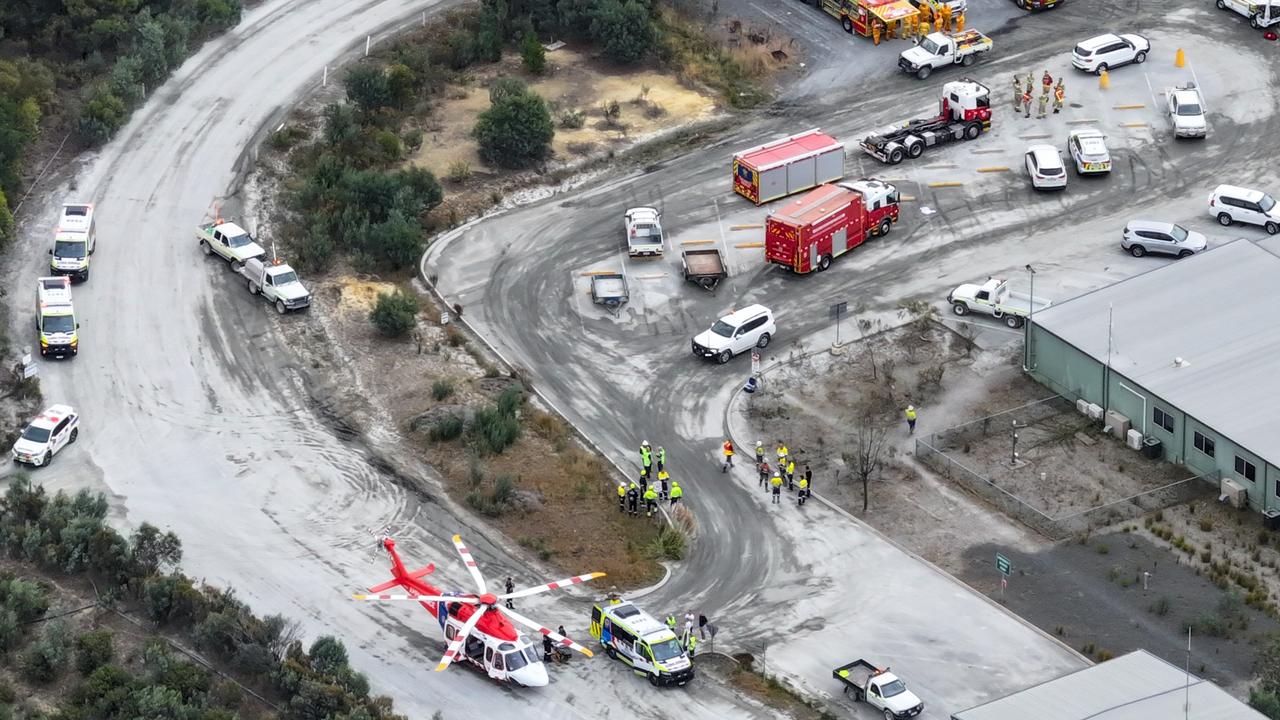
56	318
277	282
643	226
74	240
634	637
228	240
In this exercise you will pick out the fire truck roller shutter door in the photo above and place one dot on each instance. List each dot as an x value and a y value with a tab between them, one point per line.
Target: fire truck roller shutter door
830	165
840	242
773	183
814	257
802	174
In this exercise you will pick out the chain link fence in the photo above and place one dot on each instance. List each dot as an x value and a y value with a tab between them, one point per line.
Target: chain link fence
936	451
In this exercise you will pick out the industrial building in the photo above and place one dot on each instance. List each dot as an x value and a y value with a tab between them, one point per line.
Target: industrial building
1187	356
1137	686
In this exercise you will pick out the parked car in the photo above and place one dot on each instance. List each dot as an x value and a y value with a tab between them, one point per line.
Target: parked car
1105	52
643	226
1229	204
46	435
1141	237
1044	166
1088	148
1186	110
737	332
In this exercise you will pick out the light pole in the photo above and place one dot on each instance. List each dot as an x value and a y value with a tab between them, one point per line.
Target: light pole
1031	314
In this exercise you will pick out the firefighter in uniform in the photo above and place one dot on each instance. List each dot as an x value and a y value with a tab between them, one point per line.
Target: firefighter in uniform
633	499
1043	111
1031	82
676	493
1026	102
922	29
650	502
1017	93
1059	96
622	497
804	491
1047	82
663	478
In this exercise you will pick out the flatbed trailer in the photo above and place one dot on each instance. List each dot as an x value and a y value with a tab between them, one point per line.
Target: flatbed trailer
705	268
610	290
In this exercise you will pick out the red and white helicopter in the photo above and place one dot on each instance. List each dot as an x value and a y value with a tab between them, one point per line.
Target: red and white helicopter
477	626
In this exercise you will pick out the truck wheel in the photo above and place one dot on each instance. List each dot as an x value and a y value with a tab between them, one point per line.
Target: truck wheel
234	266
1137	250
724	357
1224	219
895	156
923	72
280	308
253	289
608	650
847	24
763	342
1253	21
960	308
916	149
968	60
972	131
204	248
653	680
883	228
1013	321
824	263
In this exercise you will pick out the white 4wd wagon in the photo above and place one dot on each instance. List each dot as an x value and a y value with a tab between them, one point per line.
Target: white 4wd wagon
737	332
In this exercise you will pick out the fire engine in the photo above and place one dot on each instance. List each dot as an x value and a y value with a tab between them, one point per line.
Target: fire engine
808	233
964	113
860	16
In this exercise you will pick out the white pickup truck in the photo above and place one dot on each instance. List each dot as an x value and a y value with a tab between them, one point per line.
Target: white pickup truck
878	688
229	241
643	226
277	282
994	298
942	49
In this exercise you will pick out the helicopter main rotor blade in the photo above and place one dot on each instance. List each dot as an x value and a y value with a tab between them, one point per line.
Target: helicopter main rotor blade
551	586
466	599
470	563
456	643
557	638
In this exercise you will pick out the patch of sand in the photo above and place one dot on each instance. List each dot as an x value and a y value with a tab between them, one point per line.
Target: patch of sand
357	295
572	81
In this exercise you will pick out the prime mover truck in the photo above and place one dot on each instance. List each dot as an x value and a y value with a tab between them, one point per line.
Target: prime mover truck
964	113
808	233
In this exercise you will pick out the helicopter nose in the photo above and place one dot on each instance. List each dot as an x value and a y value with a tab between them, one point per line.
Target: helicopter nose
534	675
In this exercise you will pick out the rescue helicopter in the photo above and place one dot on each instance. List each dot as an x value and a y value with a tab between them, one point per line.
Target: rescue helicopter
478	628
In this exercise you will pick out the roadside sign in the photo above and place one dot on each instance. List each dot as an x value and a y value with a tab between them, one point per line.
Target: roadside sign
1003	564
444	317
837	310
755	362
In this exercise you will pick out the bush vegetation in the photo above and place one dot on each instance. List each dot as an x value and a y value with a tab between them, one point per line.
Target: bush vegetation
516	130
395	313
496	427
68	534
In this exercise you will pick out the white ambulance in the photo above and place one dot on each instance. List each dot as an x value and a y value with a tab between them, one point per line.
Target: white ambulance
74	241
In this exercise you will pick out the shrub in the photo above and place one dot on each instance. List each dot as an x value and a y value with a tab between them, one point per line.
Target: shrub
390	145
367	86
340	126
459	170
11	631
532	55
395	313
441	389
496	502
103	114
44	659
624	31
402	84
413	138
6	220
218	13
515	131
446	429
572	119
505	87
328	655
670	544
125	80
93	650
28	601
461	48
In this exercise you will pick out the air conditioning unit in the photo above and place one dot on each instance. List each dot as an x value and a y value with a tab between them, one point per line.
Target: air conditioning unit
1082	406
1233	492
1094	411
1133	439
1117	424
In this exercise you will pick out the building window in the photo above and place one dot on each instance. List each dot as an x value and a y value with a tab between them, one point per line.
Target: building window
1203	444
1246	469
1162	418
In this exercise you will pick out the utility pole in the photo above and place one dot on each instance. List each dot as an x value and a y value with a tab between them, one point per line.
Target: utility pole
1013	450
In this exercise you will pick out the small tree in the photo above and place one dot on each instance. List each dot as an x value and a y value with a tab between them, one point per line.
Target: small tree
515	131
864	455
394	315
367	87
93	650
532	55
625	31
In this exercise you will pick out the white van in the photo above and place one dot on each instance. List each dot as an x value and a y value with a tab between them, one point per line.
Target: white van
1229	204
634	637
74	241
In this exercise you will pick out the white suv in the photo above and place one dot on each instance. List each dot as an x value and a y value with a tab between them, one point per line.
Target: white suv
52	430
1231	204
737	332
1108	51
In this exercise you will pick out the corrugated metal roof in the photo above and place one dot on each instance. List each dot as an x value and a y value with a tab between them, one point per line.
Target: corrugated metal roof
1217	312
1137	686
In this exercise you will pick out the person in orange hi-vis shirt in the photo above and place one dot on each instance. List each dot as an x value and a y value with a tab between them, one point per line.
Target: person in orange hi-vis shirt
728	456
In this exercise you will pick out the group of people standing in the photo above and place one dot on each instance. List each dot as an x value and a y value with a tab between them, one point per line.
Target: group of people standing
686	636
783	474
650	489
1022	95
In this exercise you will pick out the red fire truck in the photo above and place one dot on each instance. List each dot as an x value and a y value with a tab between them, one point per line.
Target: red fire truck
782	167
806	234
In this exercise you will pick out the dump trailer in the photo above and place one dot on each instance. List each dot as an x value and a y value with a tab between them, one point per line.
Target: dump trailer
782	167
704	268
964	113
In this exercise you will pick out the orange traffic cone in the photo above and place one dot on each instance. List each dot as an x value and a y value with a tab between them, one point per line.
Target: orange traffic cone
1104	80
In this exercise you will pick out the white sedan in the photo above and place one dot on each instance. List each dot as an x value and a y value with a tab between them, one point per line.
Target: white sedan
52	430
1186	109
1044	166
1088	148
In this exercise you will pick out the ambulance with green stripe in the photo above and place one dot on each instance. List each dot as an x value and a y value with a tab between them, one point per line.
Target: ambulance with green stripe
635	637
